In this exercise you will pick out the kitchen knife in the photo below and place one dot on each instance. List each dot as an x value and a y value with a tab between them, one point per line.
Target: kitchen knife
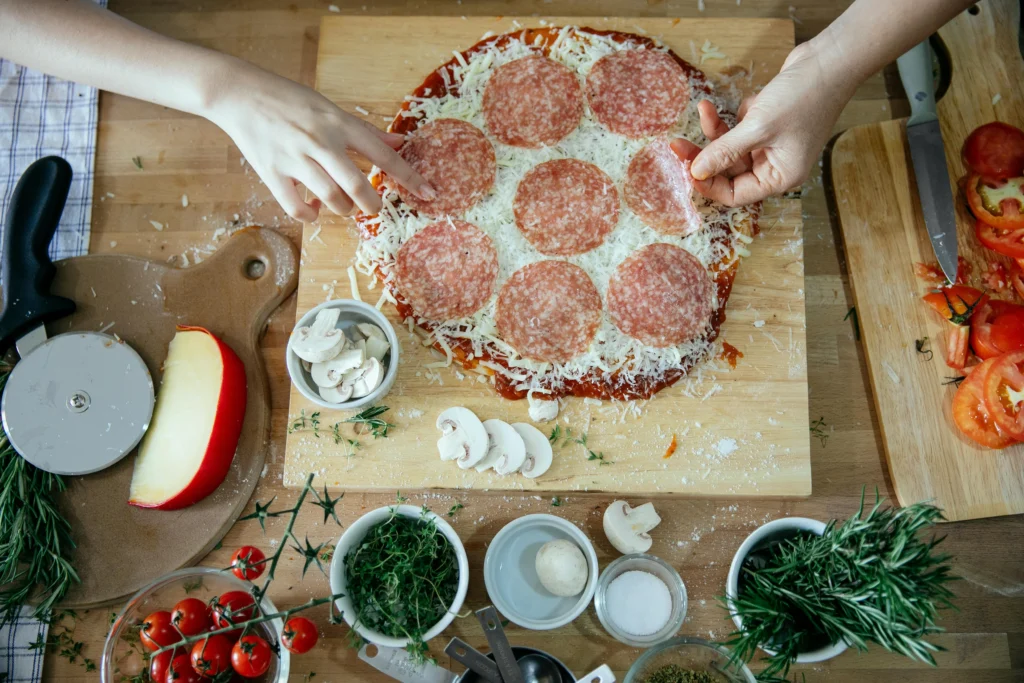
77	402
929	156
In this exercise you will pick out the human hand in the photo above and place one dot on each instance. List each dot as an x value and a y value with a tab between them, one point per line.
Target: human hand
291	134
779	136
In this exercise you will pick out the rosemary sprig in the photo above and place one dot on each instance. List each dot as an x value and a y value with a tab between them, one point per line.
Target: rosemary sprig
871	578
370	417
35	538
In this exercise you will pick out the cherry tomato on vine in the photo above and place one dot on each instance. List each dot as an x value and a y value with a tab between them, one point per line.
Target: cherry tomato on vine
158	665
300	635
211	655
233	607
248	563
181	671
250	657
157	630
191	616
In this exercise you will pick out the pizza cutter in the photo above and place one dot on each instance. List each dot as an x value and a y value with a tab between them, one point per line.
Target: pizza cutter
77	402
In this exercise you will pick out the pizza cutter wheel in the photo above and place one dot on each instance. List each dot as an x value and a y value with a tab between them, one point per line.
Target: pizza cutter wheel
78	402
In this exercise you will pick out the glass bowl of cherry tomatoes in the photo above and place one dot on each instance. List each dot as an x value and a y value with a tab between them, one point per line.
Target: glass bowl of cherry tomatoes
190	602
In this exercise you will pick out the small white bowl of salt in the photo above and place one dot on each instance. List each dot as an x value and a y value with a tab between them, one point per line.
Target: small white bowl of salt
640	600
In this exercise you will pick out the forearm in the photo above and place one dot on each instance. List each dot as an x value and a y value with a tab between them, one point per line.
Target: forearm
78	41
873	33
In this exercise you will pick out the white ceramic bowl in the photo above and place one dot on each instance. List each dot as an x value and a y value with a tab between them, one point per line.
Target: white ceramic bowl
510	573
352	313
354	535
766	533
652	565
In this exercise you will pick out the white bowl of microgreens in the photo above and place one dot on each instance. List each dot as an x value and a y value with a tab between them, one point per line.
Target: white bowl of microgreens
403	572
804	591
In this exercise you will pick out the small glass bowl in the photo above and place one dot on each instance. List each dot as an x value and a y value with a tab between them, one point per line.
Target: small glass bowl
652	565
689	653
122	653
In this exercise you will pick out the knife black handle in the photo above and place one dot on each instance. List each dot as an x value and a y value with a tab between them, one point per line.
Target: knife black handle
27	271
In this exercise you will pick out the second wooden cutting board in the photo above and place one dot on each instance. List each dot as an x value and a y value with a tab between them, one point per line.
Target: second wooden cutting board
884	235
741	432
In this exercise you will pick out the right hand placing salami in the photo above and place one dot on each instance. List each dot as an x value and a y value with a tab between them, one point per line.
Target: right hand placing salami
291	134
780	133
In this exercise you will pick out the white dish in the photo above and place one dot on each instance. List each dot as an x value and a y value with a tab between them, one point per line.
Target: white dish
355	533
510	573
352	313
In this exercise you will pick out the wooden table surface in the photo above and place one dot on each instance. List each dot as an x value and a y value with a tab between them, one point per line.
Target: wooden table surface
184	155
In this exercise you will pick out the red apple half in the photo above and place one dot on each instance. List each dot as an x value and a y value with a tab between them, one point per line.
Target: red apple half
199	410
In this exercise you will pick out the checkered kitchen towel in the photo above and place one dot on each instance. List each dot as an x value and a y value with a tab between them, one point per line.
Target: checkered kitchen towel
40	116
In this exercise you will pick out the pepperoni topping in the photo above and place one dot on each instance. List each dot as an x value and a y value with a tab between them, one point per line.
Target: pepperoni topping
661	295
566	206
549	311
532	102
456	159
637	92
447	270
659	189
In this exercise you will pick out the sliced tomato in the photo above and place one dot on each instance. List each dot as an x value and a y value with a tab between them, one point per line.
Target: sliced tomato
999	204
1017	277
957	338
995	150
932	274
955	303
970	410
995	278
997	327
1004	393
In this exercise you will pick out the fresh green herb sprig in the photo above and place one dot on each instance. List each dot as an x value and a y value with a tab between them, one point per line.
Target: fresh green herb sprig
923	347
35	537
402	578
371	418
818	430
561	437
455	508
311	554
872	578
852	316
368	419
60	639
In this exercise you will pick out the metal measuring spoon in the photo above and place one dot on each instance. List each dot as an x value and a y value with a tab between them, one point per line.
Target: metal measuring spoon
539	669
500	647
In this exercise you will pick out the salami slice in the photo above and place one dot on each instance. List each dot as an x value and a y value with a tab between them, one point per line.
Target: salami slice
659	189
447	270
566	206
532	102
661	295
637	92
456	159
549	311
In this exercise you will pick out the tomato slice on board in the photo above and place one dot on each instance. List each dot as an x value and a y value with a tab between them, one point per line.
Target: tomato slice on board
997	327
955	303
1004	393
932	274
971	414
998	203
995	150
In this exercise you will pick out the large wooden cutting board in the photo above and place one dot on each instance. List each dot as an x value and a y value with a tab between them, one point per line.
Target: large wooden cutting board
743	432
884	234
121	548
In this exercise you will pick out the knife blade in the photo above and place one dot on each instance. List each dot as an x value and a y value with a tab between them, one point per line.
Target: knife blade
928	155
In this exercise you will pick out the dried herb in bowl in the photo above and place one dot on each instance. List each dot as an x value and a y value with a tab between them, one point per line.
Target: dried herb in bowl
402	578
673	673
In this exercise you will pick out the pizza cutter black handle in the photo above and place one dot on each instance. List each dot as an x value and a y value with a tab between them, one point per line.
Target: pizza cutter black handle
32	218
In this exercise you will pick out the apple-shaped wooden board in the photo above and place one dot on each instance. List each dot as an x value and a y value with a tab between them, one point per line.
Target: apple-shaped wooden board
232	293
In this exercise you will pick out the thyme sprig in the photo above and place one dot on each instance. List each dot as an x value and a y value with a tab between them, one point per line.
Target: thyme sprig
311	554
369	418
872	578
561	437
35	537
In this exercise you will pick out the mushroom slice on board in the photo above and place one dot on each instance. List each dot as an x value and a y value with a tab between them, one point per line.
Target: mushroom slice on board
330	372
538	450
626	527
506	450
320	341
463	437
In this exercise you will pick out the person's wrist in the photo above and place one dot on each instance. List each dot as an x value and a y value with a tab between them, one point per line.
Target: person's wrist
220	85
